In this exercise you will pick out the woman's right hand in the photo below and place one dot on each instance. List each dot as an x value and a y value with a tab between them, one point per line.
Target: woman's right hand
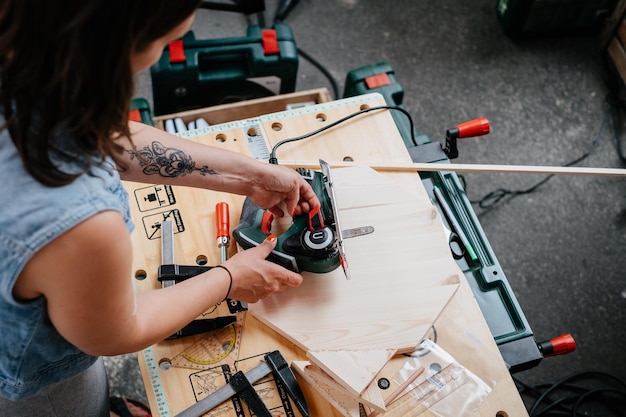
255	278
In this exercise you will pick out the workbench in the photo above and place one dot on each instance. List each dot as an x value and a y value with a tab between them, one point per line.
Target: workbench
177	373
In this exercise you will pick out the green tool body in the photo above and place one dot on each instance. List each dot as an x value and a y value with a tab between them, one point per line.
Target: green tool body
309	244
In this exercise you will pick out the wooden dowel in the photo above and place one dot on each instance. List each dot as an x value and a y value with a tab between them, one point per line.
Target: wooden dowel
400	389
435	167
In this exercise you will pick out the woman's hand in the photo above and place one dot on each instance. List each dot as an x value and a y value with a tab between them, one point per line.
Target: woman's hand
255	278
281	185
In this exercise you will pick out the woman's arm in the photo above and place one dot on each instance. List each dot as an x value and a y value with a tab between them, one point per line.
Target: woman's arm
162	158
86	277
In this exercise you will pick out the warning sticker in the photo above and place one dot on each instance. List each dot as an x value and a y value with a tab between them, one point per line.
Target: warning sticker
154	197
152	223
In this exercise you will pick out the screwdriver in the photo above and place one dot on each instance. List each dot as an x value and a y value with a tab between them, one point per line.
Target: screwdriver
222	220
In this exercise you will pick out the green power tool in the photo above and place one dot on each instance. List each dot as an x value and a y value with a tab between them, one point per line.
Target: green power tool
309	244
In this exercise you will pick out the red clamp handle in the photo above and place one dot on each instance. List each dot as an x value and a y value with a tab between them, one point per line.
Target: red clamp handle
222	220
559	345
476	127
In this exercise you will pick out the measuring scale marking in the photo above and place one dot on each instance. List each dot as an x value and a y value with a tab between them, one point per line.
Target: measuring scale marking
158	391
256	141
214	348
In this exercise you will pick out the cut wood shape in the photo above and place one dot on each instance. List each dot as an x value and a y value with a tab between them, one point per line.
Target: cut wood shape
340	365
403	275
334	393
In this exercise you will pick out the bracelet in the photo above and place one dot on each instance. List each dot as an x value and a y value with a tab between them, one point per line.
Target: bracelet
230	285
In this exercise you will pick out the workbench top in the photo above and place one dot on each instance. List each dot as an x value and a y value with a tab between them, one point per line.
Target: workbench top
177	373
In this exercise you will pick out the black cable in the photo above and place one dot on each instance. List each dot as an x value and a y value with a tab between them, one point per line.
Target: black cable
494	197
566	396
323	70
274	160
284	7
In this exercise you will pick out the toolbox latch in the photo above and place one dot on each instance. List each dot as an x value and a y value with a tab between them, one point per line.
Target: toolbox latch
270	42
177	52
378	80
134	115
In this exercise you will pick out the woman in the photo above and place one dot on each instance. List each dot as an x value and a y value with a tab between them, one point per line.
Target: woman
66	296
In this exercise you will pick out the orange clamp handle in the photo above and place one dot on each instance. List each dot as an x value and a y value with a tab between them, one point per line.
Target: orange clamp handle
222	219
476	127
559	345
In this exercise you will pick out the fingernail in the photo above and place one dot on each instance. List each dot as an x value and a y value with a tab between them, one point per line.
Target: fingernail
271	237
293	212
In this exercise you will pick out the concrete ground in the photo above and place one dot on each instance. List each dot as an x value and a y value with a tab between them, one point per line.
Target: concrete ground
561	246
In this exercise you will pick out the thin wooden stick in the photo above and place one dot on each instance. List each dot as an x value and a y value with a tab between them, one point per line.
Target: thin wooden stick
435	167
400	389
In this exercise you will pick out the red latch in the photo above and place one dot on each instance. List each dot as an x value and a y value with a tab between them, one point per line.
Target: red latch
177	52
378	80
270	42
134	115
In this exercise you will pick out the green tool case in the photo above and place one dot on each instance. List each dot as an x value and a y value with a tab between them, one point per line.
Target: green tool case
194	73
531	18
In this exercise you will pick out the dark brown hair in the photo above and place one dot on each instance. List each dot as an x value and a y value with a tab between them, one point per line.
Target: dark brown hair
65	65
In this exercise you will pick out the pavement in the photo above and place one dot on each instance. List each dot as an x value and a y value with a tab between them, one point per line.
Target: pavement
560	246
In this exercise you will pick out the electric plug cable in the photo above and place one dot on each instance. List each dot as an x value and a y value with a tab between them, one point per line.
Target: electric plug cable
274	160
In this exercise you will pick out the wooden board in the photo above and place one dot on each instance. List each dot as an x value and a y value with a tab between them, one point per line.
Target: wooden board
402	276
460	328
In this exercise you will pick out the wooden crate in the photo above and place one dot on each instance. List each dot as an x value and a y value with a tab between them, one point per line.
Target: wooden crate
247	109
613	40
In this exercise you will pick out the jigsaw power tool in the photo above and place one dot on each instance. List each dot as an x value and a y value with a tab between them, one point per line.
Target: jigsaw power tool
309	244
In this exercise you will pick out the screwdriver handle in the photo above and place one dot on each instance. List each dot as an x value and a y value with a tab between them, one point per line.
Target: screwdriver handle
222	218
472	128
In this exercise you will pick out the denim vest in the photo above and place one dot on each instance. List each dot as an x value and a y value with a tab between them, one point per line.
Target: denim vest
33	354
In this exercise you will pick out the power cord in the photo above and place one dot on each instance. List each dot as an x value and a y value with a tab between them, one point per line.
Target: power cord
274	160
284	8
323	70
588	393
494	197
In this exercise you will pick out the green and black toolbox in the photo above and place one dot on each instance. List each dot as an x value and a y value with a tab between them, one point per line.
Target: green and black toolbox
194	73
489	284
380	78
532	18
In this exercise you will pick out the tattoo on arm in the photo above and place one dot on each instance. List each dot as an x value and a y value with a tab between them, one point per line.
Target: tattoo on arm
157	159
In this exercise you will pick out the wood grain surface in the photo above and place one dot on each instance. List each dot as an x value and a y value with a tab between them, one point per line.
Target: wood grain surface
460	328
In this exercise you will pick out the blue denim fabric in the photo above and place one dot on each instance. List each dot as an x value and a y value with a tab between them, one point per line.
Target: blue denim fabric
33	354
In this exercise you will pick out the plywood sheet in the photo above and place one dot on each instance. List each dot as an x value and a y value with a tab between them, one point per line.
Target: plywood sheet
373	139
399	285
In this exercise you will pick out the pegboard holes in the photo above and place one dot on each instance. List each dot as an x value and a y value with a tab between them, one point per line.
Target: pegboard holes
277	126
140	275
202	260
320	117
165	364
220	137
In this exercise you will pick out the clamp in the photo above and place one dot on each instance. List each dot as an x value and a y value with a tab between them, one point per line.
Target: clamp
170	273
240	384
